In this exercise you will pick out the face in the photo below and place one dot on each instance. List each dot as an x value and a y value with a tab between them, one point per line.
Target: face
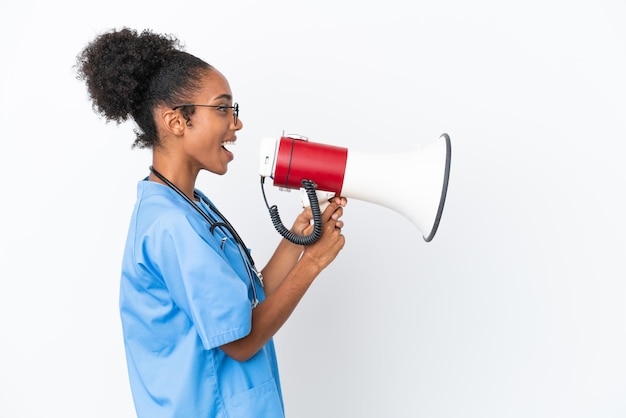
211	131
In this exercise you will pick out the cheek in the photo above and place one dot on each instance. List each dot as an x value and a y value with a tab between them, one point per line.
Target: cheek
208	137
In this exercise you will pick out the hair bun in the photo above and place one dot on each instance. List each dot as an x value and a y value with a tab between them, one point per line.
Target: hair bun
117	67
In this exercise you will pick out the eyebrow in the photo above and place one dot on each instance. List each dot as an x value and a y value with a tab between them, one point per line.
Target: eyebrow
224	96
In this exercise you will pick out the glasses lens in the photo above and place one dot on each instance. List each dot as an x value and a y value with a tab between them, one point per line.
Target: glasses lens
236	112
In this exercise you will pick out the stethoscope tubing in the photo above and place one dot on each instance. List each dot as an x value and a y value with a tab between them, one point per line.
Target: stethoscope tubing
223	223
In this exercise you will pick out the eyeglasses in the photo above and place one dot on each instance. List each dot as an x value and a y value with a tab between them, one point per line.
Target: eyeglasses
235	108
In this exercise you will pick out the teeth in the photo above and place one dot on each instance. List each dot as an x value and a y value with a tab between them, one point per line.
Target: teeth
228	143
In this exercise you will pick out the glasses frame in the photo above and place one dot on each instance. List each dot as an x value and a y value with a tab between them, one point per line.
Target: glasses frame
235	108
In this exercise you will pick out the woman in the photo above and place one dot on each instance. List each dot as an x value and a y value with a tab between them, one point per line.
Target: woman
197	319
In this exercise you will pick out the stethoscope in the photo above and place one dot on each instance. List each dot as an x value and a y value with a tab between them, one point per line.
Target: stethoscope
222	224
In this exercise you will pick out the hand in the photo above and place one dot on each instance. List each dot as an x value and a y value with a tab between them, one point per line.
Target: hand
303	223
324	251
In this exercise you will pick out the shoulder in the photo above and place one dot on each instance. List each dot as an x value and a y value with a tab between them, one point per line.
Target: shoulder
158	202
160	213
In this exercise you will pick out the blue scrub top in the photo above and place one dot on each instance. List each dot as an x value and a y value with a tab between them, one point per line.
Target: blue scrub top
184	292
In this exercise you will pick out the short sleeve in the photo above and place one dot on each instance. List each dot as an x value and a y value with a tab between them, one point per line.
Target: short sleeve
199	278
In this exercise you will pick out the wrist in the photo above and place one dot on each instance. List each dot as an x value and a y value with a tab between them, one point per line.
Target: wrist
311	263
288	245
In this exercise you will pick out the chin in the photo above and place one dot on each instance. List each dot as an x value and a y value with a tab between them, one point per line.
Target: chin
219	172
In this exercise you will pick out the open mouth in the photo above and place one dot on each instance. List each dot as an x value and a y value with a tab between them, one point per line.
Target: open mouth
227	144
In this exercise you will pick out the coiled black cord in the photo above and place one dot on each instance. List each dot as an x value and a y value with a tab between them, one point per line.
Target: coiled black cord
309	187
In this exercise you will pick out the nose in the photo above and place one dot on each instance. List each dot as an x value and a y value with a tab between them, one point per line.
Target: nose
238	125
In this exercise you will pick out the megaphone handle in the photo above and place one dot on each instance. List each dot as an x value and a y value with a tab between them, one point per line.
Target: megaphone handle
323	198
310	187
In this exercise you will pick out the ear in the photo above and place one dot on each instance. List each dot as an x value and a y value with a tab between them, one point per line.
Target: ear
171	121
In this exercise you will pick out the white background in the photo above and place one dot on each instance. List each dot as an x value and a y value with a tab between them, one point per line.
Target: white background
517	308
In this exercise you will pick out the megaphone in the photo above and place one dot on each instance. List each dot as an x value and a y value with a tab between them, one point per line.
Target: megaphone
412	183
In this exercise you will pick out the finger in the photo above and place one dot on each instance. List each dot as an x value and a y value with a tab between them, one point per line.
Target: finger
307	213
330	210
303	218
337	213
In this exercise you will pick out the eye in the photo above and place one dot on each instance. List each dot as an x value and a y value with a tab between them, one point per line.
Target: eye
223	108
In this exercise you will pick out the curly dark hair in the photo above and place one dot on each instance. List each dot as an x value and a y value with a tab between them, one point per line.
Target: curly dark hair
129	73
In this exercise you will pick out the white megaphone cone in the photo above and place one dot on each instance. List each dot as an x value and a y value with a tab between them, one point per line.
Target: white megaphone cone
412	183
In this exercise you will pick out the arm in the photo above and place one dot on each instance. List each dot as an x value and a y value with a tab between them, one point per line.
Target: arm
298	270
287	254
280	264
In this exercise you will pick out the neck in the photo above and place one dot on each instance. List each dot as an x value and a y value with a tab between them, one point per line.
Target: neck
171	178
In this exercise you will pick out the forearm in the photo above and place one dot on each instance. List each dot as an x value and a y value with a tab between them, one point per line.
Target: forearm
270	315
280	264
290	272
